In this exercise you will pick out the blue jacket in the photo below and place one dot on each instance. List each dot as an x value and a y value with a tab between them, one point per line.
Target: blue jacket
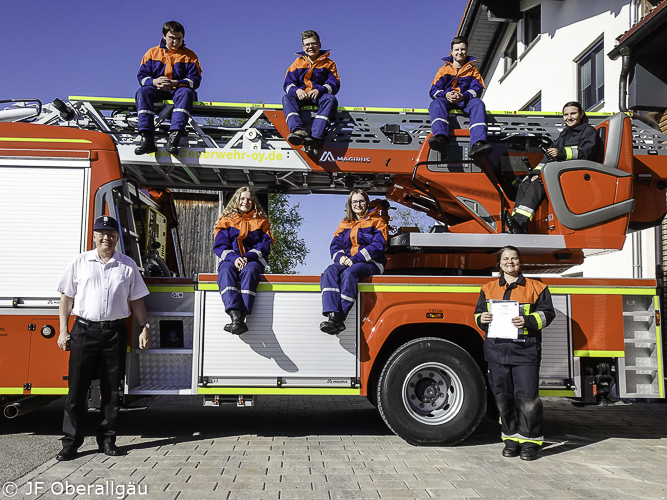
364	240
465	80
180	64
321	74
243	235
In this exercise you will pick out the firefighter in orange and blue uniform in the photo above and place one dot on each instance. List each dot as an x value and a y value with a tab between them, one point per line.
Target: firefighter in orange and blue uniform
312	79
458	85
357	251
168	71
514	364
242	240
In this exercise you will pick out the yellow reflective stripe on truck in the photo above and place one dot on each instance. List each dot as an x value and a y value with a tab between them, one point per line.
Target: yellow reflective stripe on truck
598	354
11	390
557	392
43	139
294	391
48	390
272	287
435	288
168	289
658	340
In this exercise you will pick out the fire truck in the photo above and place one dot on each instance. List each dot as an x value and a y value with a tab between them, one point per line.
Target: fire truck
411	345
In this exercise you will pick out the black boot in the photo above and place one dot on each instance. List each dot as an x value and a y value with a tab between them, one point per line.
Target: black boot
312	146
297	136
529	451
480	149
439	143
238	322
512	225
334	325
512	449
173	142
147	144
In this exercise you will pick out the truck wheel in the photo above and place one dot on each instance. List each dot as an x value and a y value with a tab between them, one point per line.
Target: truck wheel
431	392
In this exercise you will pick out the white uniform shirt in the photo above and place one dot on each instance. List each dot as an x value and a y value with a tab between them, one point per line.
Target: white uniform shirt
101	291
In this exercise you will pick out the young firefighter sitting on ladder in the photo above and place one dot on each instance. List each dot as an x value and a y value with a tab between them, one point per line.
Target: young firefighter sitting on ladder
311	80
458	85
168	71
242	240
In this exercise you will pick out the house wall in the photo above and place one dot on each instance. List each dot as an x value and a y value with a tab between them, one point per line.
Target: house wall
570	28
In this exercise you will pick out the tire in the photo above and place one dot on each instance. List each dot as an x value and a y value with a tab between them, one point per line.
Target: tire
411	404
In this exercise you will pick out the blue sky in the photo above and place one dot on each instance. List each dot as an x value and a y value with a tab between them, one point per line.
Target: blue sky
387	53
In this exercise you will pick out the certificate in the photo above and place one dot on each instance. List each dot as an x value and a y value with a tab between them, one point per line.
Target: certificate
501	326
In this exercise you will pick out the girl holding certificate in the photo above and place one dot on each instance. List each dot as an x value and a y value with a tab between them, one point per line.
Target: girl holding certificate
514	363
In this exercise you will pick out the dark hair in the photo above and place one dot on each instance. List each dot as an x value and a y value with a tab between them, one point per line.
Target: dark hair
509	247
575	104
174	26
459	39
310	34
350	216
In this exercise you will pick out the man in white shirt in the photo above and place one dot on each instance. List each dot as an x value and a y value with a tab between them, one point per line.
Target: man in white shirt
100	287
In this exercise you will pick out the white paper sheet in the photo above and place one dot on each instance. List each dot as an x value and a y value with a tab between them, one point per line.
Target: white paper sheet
501	326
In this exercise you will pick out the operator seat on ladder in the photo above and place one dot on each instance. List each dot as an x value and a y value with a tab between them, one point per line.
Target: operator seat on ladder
584	193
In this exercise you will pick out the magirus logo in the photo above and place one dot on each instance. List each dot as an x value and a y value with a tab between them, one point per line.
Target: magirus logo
328	156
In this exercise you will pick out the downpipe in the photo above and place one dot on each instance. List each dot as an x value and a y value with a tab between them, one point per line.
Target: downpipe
26	405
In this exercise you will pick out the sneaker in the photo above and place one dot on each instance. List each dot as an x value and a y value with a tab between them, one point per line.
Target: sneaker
296	137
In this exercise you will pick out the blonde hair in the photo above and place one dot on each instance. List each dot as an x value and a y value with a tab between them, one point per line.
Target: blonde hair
350	216
233	205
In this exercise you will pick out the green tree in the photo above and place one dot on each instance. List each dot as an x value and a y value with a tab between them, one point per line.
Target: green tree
288	250
407	217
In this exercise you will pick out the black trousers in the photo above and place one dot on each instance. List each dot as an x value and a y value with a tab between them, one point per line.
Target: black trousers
529	196
96	348
515	389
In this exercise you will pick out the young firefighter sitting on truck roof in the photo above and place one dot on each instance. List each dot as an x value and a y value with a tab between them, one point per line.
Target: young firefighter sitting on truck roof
168	71
577	141
514	363
458	85
242	240
357	250
312	79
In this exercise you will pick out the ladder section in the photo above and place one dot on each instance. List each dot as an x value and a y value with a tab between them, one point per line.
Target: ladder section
640	372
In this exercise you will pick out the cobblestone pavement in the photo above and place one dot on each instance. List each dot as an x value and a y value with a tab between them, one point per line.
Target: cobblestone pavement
338	448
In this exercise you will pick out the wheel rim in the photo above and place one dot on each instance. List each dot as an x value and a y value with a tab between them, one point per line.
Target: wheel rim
433	393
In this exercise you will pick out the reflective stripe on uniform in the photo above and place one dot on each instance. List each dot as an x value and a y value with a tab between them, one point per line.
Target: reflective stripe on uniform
345	297
229	288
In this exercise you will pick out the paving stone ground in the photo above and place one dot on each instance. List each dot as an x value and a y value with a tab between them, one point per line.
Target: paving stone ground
329	448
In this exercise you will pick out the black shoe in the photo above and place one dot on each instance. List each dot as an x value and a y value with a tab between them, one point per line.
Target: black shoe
334	325
296	137
67	453
173	142
511	449
312	146
147	144
228	327
111	450
529	451
513	227
439	143
480	149
238	326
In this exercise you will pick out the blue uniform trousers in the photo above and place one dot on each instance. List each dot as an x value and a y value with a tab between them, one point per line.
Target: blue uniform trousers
515	389
326	110
339	286
229	278
474	108
183	98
